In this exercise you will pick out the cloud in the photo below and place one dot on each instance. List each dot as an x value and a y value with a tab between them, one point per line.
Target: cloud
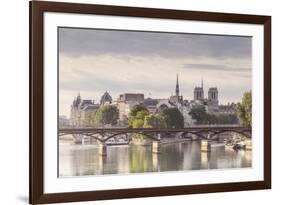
94	61
216	67
79	42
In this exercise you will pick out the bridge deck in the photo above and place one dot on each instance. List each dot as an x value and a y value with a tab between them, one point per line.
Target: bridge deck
193	128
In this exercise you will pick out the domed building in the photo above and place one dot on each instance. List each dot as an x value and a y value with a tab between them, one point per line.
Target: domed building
105	99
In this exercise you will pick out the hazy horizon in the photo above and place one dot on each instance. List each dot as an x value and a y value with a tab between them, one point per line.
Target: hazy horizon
93	61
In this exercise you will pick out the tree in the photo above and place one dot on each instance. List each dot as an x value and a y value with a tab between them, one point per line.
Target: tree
226	119
136	109
107	114
154	121
244	110
137	119
199	114
137	123
89	118
173	117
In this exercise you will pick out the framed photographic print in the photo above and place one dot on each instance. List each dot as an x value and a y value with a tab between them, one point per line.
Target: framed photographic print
138	102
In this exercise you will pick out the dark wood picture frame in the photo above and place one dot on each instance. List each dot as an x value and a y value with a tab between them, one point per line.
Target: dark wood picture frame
37	8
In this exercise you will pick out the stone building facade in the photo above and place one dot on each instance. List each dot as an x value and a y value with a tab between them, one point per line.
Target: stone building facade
126	102
81	108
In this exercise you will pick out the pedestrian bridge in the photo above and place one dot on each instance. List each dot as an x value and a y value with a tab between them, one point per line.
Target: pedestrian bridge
155	134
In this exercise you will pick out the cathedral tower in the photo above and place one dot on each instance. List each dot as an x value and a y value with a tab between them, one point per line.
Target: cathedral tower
177	98
198	93
213	96
177	86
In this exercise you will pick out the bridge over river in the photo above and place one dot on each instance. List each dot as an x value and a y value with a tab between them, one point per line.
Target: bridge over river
203	132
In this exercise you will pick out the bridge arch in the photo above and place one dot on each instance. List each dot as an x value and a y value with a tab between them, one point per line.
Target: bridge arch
198	134
244	133
150	136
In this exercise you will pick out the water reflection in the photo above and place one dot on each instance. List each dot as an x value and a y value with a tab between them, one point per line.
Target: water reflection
80	160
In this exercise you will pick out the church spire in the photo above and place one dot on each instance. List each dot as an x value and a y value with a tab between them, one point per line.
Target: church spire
202	83
177	86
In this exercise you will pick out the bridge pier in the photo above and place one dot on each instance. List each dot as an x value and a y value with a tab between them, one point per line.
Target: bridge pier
102	149
156	147
205	146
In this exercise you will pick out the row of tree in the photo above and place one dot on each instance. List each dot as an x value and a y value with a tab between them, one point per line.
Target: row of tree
199	114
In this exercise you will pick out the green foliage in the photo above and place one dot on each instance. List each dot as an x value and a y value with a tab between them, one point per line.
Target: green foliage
136	109
225	119
137	123
173	118
136	120
169	118
155	121
141	114
89	118
107	114
199	114
244	110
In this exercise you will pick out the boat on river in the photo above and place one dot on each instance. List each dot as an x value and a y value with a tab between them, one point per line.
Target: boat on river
236	146
239	145
120	141
214	145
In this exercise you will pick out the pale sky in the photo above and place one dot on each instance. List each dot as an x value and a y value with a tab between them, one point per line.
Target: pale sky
94	61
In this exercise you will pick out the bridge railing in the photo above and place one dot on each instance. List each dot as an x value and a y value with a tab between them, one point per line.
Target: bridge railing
191	128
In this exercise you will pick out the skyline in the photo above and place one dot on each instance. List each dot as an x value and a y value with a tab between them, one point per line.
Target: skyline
94	61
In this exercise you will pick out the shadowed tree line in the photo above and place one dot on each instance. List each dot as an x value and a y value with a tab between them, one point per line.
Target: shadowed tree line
199	114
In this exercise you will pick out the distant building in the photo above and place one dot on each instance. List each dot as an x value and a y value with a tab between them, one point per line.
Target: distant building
177	98
131	97
228	109
105	99
213	102
79	110
158	105
178	102
151	104
126	102
198	93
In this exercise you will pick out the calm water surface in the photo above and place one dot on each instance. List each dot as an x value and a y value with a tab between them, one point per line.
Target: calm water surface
81	160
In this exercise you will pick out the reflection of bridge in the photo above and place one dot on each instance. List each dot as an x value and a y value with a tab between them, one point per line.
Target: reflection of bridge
202	132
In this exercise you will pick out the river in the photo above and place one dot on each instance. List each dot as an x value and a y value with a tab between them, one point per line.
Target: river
82	160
